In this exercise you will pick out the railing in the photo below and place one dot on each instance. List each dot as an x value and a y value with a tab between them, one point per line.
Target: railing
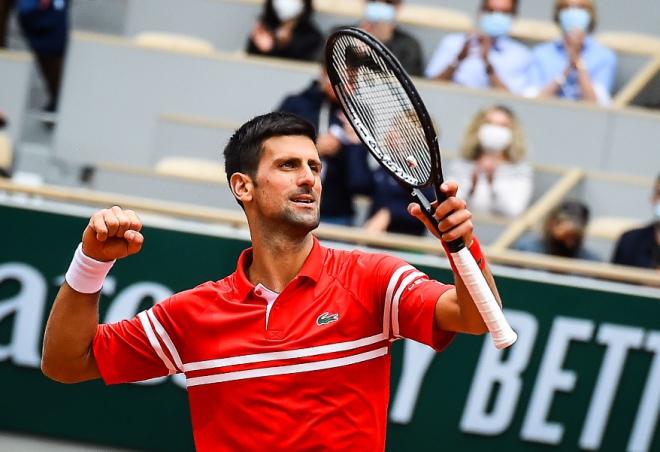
498	254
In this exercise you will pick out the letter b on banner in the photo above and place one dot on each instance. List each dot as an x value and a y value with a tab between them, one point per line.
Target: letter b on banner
492	371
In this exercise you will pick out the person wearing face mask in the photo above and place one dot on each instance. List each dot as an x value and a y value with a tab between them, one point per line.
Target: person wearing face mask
487	57
563	233
286	30
380	20
641	247
492	173
576	66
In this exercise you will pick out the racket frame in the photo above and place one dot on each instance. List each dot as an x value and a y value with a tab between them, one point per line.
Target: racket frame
435	178
501	332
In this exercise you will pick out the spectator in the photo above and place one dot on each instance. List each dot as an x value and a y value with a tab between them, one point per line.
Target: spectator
563	233
487	57
576	66
492	173
286	30
345	171
380	20
389	208
641	247
45	24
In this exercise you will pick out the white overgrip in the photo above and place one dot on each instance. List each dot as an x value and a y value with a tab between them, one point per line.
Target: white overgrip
500	330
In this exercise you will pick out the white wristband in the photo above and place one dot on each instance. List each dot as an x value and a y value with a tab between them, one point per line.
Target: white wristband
86	275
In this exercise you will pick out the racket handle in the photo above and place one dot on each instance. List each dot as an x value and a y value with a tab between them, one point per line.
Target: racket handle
500	330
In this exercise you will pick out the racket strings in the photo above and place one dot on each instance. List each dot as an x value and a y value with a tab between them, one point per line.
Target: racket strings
374	94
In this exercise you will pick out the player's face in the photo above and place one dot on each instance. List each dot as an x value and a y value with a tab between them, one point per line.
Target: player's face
288	182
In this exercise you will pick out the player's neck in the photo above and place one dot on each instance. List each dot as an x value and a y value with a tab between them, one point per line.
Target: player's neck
276	261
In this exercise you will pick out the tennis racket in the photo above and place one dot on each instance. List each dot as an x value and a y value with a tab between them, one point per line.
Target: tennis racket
387	113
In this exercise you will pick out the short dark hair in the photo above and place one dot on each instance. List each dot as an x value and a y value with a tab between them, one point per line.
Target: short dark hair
573	210
245	147
484	3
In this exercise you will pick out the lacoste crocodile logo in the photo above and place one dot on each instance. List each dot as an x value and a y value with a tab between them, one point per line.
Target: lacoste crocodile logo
326	318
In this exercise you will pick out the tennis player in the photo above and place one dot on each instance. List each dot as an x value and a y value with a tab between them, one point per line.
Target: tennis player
291	351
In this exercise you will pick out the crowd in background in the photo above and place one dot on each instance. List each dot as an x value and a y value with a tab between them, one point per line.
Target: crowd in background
573	67
493	173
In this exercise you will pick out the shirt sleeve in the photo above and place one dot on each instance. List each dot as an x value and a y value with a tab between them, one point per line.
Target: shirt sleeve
517	72
512	189
444	55
136	349
536	80
410	300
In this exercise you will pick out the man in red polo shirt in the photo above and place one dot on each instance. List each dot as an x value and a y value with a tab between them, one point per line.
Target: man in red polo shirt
292	350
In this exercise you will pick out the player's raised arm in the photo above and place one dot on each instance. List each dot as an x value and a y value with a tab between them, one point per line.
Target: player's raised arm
67	350
456	310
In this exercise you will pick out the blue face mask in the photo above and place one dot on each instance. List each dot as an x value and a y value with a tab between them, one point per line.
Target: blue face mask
495	24
574	19
379	12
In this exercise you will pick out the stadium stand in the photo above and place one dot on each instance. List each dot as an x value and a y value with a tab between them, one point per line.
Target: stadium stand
641	16
213	86
190	102
224	23
147	107
193	136
15	68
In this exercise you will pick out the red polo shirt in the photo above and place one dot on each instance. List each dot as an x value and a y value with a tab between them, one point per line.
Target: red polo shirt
314	377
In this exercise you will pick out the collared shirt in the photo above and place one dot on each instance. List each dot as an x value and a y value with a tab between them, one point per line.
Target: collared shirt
315	377
509	58
551	59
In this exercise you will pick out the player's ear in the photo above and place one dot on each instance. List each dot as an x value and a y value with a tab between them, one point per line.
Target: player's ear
241	186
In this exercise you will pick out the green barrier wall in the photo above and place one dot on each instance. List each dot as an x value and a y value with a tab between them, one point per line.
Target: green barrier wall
584	375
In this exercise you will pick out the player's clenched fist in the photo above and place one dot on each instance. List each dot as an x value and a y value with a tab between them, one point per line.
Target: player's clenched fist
112	234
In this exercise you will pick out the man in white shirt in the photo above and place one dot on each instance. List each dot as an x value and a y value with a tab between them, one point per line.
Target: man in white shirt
487	57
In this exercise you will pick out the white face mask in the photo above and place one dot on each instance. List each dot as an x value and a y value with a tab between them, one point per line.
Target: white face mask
288	9
657	211
379	12
494	138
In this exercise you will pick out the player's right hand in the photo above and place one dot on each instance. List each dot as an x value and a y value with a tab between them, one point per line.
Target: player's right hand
112	234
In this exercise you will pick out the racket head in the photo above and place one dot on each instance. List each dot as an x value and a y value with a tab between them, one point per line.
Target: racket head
384	108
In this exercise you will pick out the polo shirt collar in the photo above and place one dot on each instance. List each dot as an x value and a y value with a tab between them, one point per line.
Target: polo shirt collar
312	268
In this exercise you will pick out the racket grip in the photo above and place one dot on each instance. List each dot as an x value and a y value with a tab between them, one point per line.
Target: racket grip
501	332
455	245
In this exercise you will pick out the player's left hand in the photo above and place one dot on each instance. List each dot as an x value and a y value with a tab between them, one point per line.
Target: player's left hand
454	218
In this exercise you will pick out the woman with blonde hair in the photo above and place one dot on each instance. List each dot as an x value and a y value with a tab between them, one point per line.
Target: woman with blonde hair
576	66
492	173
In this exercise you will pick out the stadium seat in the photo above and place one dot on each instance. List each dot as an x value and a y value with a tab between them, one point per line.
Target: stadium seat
193	168
630	42
174	42
610	228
